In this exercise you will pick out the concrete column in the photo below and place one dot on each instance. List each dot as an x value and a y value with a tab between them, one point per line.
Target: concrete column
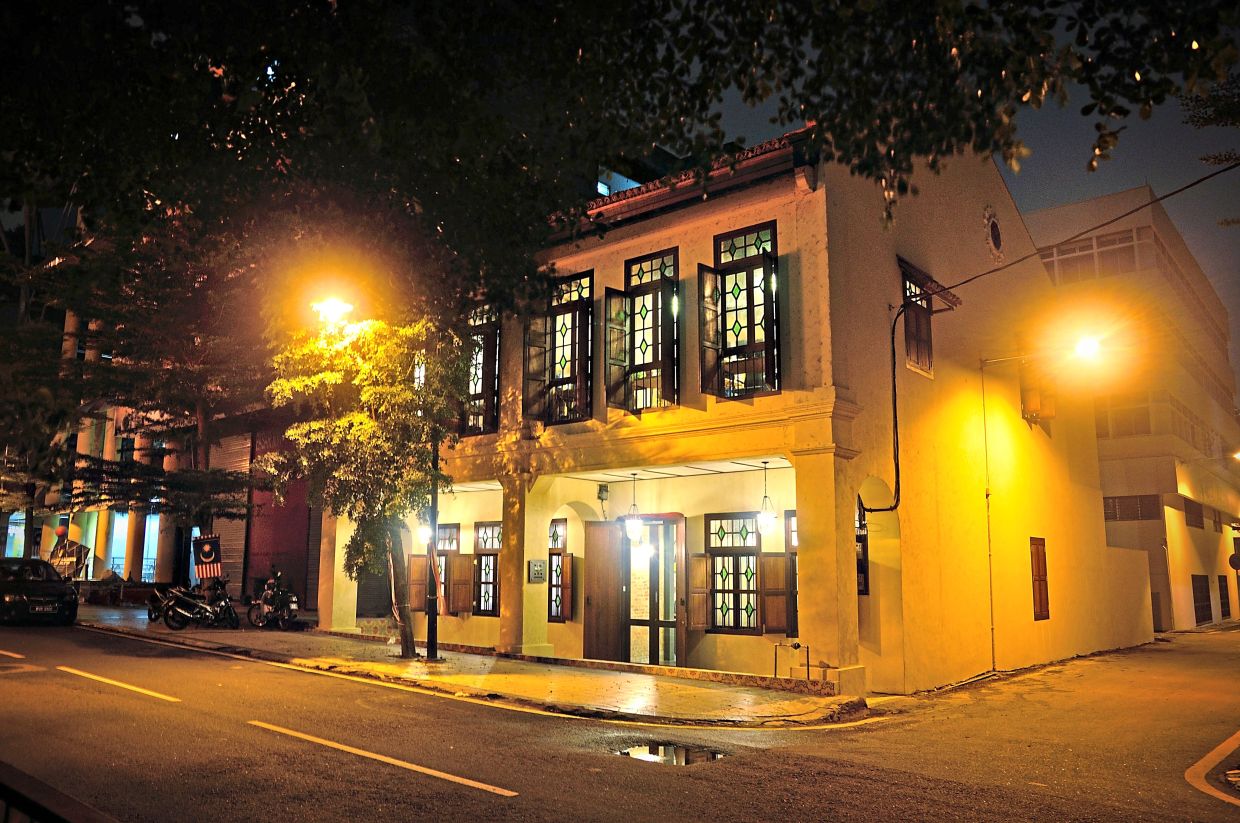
337	592
4	532
512	563
103	524
827	568
166	550
135	540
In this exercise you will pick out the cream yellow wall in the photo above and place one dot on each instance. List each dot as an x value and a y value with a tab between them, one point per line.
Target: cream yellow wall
1040	486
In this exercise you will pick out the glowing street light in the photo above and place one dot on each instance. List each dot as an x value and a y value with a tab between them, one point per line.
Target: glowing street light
332	311
1088	348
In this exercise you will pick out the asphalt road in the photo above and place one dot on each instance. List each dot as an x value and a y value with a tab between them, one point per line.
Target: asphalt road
1106	738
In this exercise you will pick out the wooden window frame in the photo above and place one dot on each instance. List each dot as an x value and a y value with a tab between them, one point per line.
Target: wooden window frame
918	326
714	301
1041	591
483	405
445	577
713	552
792	545
660	376
542	393
481	551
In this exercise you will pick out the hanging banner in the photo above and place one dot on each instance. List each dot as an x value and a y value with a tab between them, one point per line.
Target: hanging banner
207	562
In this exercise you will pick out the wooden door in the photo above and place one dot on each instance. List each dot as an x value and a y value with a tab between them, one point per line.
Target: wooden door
605	625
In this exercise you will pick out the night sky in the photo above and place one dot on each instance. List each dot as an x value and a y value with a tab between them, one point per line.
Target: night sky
1161	151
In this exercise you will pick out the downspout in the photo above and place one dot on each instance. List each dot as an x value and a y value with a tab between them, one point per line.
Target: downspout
895	425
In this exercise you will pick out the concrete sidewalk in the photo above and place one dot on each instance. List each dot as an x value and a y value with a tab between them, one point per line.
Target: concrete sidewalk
549	687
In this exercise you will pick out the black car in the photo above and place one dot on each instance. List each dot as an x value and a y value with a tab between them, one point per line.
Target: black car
34	590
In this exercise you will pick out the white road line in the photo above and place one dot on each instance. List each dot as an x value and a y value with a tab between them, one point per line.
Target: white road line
1196	774
119	684
13	655
391	761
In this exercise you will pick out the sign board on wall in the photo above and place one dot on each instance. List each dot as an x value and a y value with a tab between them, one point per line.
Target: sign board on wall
538	571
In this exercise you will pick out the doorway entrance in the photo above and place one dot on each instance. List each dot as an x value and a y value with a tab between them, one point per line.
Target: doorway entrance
635	592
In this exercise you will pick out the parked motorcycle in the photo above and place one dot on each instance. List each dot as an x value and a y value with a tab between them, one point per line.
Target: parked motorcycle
158	602
276	604
216	610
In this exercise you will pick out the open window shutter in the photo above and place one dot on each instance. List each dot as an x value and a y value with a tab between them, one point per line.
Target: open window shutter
770	321
699	592
710	329
773	578
917	342
585	370
669	340
566	591
490	366
417	583
534	390
616	306
460	583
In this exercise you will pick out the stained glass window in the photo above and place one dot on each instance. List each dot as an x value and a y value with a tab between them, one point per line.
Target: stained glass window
744	296
488	539
733	545
482	404
448	541
557	541
568	372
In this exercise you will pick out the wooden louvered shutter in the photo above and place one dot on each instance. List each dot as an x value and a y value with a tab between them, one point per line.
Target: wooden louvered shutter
918	345
490	377
616	305
774	581
418	583
699	592
566	588
534	384
770	321
669	340
585	367
710	330
460	583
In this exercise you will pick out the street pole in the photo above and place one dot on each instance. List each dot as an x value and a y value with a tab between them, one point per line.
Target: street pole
432	605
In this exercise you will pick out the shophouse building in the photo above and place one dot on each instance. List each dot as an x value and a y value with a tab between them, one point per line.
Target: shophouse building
1168	436
717	366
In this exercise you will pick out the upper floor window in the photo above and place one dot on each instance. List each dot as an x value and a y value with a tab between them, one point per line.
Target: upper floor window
739	314
1132	507
482	405
919	291
643	336
1194	514
1122	415
558	387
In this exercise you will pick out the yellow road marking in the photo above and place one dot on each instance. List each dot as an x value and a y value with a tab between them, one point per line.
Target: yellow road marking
391	761
119	684
404	687
1196	773
13	655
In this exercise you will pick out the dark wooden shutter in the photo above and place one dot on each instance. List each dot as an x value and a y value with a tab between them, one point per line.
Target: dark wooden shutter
419	571
1224	597
616	305
534	384
460	583
566	587
710	330
918	345
1041	595
773	577
770	321
490	377
585	356
699	592
669	340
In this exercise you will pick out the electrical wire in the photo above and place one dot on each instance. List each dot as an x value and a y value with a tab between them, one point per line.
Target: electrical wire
1089	230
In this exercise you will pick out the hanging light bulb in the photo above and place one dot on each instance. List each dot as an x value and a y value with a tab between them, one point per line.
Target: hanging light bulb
424	533
766	512
633	522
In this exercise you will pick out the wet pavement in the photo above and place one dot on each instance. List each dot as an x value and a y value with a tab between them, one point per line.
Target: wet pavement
543	686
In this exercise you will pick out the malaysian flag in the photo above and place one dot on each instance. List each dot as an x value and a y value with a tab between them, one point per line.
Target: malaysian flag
207	557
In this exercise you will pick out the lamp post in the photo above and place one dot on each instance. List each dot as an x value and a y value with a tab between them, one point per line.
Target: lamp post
432	596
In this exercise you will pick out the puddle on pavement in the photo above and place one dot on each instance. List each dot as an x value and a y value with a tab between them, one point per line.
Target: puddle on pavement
670	755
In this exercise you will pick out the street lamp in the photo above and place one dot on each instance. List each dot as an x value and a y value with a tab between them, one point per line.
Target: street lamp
332	311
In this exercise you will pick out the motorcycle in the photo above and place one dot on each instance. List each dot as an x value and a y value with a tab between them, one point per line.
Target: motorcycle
158	602
214	611
277	603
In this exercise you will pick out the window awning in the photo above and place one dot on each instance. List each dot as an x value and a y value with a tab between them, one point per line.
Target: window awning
928	284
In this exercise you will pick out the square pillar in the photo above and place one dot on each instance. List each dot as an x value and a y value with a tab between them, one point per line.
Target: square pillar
827	569
337	600
512	563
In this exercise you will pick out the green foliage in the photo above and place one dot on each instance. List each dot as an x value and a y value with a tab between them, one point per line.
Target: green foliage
372	400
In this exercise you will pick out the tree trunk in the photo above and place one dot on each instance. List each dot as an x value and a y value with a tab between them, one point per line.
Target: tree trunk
399	568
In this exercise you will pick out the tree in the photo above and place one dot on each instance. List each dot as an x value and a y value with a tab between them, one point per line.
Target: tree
375	401
1218	105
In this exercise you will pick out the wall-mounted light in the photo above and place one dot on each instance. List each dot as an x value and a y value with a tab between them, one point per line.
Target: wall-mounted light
633	521
766	512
